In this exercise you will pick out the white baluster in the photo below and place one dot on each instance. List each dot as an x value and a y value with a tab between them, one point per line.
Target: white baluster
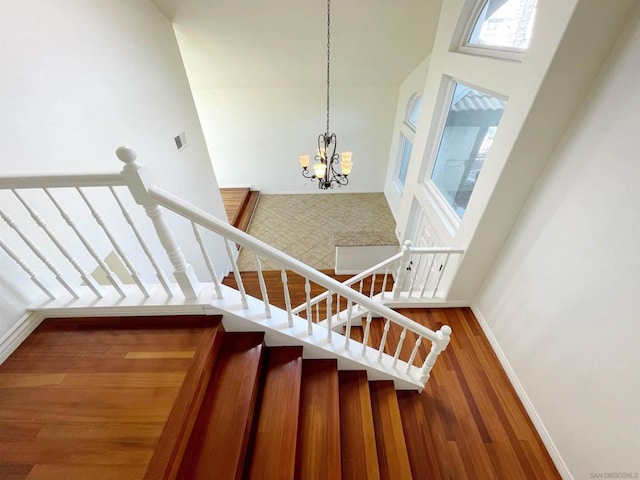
361	285
114	280
207	260
414	352
444	337
34	277
138	180
263	287
307	291
426	280
383	341
416	269
236	274
131	269
365	338
39	254
373	285
384	282
338	311
41	223
329	314
162	277
399	347
442	269
403	267
318	312
347	333
287	297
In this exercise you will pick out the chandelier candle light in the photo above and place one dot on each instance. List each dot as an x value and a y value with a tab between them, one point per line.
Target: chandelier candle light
326	157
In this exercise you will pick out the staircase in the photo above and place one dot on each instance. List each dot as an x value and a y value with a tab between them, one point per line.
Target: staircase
267	412
239	204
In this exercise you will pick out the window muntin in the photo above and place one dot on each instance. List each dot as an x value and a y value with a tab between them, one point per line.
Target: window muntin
469	129
503	25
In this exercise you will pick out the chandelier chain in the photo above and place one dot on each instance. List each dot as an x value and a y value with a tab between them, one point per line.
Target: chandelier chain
328	56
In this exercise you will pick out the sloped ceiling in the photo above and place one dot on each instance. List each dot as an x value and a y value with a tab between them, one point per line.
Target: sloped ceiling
251	43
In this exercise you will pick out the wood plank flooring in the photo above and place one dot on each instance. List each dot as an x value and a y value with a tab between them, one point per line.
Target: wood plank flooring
468	422
88	399
239	204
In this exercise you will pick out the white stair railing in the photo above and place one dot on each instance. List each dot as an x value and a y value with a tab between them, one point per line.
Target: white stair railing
412	276
155	203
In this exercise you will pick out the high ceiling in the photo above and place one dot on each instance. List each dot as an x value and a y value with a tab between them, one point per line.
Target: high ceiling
275	43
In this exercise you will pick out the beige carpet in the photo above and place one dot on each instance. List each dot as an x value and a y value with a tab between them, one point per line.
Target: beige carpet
304	226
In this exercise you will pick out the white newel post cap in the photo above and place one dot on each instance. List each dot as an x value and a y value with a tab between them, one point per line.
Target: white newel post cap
446	330
135	174
407	243
126	155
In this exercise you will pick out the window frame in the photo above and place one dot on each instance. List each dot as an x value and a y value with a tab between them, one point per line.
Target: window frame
463	45
445	211
407	134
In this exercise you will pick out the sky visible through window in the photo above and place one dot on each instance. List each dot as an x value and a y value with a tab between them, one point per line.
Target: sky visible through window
504	24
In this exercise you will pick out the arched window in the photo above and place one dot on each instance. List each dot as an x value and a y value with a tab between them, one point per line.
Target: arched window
413	112
407	133
499	27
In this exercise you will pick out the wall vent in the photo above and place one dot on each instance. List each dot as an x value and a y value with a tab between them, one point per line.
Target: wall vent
181	141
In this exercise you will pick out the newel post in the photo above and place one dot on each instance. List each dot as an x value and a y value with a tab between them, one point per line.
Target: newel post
437	347
138	179
404	267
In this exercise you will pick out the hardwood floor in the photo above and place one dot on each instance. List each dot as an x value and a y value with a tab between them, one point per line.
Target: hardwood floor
81	400
468	422
88	399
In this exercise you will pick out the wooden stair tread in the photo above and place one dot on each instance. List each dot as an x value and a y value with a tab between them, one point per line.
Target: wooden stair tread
420	445
357	435
219	439
392	449
277	422
167	457
243	219
234	200
318	450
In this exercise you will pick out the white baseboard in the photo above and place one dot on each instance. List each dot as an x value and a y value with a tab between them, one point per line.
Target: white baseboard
18	334
559	462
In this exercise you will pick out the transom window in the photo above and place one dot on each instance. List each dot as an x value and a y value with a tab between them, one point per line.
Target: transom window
503	25
469	129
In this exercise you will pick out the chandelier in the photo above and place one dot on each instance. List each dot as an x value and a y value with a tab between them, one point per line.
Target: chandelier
326	158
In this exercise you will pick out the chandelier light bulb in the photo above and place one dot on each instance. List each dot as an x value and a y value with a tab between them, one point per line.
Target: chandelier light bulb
304	161
320	168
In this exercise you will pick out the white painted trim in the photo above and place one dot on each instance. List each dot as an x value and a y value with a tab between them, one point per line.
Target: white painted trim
18	334
559	462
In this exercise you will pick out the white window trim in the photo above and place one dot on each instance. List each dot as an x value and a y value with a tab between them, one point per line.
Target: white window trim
396	178
442	208
462	44
445	212
407	133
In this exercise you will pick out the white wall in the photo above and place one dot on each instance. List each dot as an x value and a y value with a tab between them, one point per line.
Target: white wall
255	135
412	85
80	79
569	43
562	298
